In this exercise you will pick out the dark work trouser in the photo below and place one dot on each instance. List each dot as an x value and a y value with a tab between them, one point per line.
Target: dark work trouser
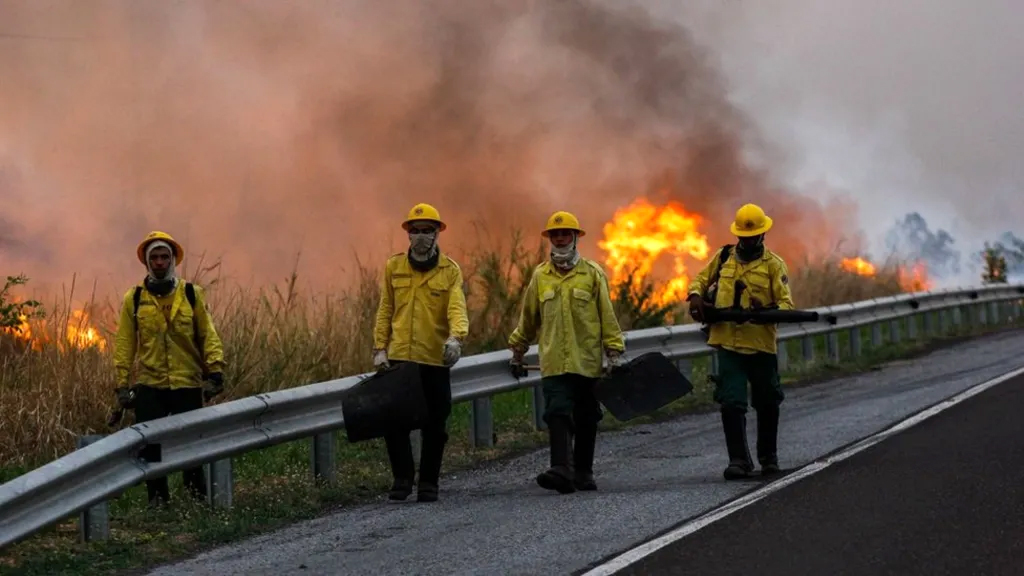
153	403
437	389
761	370
572	399
735	370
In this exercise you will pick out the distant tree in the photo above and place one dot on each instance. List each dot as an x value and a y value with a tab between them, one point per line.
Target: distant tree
13	314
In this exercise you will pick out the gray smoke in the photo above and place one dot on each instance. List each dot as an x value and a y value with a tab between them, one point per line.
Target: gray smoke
913	105
911	239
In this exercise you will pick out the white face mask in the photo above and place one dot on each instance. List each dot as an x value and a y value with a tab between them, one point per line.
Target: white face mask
565	257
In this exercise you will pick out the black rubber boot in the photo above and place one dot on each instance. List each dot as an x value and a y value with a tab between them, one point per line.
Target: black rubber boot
583	456
734	424
560	476
431	457
403	467
767	440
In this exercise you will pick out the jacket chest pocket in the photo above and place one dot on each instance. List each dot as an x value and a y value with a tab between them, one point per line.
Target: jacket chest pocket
150	320
401	285
438	289
726	287
580	297
759	285
182	322
546	296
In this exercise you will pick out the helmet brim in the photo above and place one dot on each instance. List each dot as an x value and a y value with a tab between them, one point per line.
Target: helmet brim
179	252
441	226
579	232
755	232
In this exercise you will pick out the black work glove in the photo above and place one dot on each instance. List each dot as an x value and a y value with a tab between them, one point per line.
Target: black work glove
125	397
213	385
696	307
517	369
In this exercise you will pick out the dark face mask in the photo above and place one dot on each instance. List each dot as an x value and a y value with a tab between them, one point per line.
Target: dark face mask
749	249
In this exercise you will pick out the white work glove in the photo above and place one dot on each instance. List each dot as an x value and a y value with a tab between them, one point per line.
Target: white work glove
614	359
380	360
452	351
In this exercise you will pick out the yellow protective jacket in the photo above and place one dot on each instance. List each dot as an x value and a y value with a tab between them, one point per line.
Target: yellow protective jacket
167	352
573	312
767	279
418	311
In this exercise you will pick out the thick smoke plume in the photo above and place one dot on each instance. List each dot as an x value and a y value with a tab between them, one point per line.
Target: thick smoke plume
257	130
911	239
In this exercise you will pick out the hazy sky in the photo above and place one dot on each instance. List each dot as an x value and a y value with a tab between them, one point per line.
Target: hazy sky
909	105
253	132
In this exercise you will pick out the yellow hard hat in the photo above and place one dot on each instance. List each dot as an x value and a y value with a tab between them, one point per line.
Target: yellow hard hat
424	212
562	220
179	252
750	221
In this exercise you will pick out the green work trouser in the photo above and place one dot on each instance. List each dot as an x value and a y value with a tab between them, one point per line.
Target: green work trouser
735	370
572	396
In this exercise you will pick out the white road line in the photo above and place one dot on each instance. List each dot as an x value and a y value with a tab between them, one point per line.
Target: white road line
646	549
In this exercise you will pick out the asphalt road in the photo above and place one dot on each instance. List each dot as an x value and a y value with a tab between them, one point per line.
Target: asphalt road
496	520
942	497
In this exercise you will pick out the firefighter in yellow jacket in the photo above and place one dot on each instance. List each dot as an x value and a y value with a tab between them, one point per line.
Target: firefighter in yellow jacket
754	277
165	325
422	318
568	302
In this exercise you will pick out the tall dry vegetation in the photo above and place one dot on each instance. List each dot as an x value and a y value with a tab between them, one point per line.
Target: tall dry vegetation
278	337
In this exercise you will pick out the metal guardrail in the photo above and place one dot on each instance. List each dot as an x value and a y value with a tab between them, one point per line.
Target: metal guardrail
105	466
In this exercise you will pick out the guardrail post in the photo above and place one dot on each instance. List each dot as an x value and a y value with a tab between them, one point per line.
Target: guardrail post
537	395
220	483
782	352
685	367
957	317
713	368
481	429
927	324
912	327
876	335
832	345
993	312
894	331
808	345
94	521
321	455
982	313
855	342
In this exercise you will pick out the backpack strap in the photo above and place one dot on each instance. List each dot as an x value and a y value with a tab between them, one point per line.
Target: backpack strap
722	257
190	295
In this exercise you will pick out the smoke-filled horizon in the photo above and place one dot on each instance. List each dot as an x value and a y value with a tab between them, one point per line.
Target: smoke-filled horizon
912	106
254	132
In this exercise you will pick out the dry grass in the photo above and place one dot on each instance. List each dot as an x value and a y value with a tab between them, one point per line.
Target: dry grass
277	337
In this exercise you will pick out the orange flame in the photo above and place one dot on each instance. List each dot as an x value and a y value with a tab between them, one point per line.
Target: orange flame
78	333
859	266
641	233
915	279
